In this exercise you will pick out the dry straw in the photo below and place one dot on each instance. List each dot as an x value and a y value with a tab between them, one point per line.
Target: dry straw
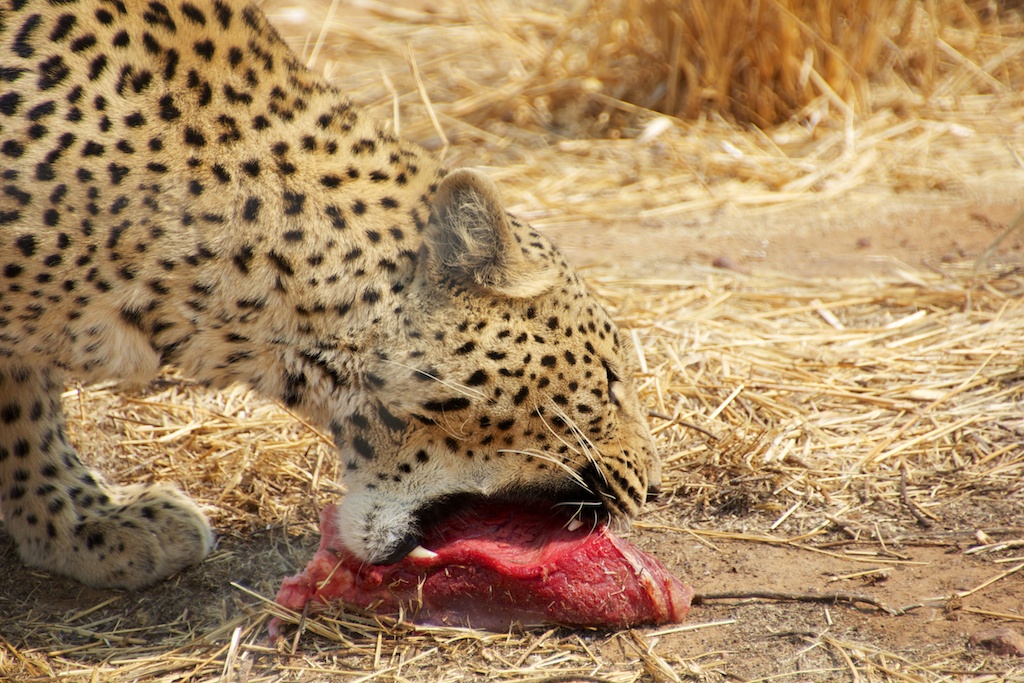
790	412
799	412
768	62
750	104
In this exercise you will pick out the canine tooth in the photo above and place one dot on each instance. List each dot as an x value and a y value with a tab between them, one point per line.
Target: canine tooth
574	525
421	553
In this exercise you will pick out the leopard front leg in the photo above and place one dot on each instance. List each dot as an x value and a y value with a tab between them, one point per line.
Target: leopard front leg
66	518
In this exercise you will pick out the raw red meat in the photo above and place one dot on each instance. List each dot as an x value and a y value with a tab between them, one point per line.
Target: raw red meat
497	567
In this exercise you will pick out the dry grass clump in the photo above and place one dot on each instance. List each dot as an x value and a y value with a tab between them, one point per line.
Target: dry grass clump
560	102
764	63
789	394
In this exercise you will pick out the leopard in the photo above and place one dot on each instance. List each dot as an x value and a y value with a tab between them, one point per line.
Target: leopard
177	189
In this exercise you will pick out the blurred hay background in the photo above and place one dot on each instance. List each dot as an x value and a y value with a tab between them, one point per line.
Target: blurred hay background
826	415
655	109
766	63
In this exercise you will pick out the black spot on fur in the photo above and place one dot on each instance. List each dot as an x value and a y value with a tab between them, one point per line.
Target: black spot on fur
294	387
168	111
363	448
447	405
10	413
293	203
205	49
251	209
280	262
65	23
243	258
22	46
193	14
194	138
9	103
26	244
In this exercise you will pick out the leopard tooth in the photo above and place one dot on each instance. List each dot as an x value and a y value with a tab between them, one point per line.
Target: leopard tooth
421	553
574	524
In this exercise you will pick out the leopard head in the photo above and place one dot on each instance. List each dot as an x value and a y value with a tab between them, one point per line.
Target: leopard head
509	382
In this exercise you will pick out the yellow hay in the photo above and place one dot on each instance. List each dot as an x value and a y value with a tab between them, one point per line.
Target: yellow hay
859	421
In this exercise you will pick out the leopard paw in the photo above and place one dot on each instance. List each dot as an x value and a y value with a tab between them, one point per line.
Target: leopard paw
140	535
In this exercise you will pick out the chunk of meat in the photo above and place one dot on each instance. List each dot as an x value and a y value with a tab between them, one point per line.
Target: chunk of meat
497	567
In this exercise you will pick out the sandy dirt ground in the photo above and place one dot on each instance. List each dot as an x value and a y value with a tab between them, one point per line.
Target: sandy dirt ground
863	234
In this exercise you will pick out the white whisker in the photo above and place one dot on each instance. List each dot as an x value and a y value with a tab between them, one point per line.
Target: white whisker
575	521
586	445
580	504
551	429
461	388
554	461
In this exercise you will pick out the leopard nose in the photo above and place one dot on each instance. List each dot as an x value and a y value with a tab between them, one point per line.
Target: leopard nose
653	492
408	543
654	481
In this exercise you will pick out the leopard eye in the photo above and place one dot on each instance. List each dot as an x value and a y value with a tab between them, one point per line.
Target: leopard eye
614	384
614	391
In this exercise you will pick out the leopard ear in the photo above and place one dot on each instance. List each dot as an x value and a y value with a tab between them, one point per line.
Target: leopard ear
470	240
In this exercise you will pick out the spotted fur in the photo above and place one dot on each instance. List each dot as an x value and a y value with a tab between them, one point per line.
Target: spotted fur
178	189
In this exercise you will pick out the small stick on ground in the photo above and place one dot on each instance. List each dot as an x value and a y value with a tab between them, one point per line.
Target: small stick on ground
921	519
682	423
851	598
